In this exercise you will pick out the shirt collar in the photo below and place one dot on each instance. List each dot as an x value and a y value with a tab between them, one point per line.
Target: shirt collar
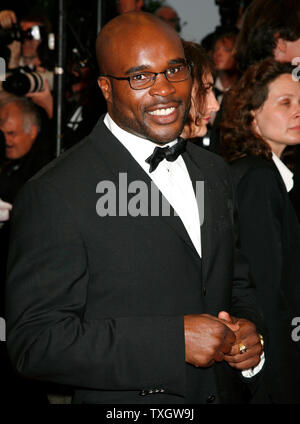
285	172
218	84
140	148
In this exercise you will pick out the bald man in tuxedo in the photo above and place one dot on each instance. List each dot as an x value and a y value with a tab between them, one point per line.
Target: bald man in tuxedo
133	307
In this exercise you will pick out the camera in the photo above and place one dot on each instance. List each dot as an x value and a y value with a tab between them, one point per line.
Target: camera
21	83
16	33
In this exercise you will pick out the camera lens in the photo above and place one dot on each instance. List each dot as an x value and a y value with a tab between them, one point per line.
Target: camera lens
21	83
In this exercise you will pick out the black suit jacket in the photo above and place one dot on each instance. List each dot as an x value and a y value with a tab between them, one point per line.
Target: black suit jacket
270	240
98	303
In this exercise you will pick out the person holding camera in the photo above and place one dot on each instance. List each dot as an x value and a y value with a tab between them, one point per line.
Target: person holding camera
25	57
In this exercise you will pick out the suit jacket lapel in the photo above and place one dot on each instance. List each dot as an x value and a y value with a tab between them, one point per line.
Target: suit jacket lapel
119	160
206	217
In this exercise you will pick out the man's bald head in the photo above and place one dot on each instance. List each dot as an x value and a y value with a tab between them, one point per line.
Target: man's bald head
123	32
132	48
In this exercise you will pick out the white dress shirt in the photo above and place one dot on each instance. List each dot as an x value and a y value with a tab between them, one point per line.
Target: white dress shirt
171	178
285	172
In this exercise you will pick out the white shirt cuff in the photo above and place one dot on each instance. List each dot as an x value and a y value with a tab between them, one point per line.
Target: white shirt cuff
251	372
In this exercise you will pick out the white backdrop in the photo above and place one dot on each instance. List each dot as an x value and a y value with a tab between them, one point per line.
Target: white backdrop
201	17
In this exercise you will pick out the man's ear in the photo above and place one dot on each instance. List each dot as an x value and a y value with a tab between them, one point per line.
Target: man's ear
254	124
253	116
105	86
34	132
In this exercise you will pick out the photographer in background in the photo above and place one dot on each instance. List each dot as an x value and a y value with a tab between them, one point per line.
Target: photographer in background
26	151
28	53
26	148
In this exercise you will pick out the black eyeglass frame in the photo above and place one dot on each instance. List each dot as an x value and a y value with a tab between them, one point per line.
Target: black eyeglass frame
189	65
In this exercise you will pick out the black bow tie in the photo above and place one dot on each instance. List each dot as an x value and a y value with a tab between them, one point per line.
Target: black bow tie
169	153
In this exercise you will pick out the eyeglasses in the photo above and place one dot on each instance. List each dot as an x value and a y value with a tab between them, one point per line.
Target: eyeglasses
146	79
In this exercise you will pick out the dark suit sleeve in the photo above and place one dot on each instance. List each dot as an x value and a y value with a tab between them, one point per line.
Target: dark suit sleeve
260	204
48	335
243	298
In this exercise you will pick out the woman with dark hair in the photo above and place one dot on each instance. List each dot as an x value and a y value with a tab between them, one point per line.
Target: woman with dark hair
270	28
203	98
261	119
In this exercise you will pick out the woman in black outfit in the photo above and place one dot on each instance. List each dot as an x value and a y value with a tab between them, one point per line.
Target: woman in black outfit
261	121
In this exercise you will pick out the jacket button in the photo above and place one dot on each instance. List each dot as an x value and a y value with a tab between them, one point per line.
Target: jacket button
204	291
211	398
143	392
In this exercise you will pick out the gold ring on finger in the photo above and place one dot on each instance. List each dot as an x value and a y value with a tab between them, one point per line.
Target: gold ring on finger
261	340
242	348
